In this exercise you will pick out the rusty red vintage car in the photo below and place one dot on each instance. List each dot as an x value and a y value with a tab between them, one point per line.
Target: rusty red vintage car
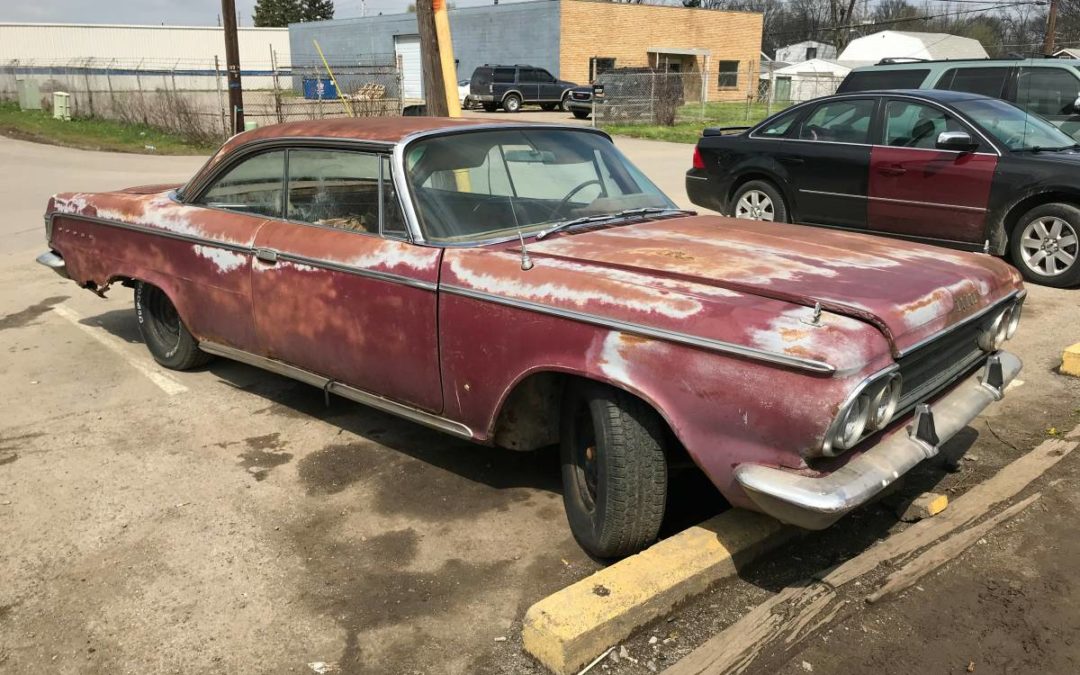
525	285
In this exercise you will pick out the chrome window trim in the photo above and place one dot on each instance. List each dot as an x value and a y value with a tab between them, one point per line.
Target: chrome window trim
645	331
334	387
1011	297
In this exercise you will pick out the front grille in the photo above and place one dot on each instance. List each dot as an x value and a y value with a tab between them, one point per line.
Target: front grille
579	96
934	366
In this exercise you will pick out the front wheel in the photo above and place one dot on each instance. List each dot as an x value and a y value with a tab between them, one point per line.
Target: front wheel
512	103
1045	245
614	470
759	200
581	114
165	335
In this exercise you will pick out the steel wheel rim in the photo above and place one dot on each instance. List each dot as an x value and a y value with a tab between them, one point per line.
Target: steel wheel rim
755	205
1049	246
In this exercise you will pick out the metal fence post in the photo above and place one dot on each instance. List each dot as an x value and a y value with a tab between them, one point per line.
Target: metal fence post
221	100
277	86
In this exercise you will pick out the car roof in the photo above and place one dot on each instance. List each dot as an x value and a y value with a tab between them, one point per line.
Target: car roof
388	130
884	64
943	95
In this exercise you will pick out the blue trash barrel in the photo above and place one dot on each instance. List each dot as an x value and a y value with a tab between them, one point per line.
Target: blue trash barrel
319	87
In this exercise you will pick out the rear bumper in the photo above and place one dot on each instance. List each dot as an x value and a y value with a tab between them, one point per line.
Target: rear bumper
55	262
482	98
815	503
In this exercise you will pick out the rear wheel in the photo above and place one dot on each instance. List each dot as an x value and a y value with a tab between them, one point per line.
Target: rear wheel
491	107
581	114
1045	245
164	333
613	468
512	103
759	200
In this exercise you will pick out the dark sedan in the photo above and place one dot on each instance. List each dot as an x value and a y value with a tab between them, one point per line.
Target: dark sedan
951	168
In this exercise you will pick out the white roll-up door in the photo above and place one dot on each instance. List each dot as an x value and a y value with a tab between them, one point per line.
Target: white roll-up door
407	50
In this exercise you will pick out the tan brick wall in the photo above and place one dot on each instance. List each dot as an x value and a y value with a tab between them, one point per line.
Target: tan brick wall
626	32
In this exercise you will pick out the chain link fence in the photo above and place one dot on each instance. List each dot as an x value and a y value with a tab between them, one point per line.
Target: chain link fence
190	97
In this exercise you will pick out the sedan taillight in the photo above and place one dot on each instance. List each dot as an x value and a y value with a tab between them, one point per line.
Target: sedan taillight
699	162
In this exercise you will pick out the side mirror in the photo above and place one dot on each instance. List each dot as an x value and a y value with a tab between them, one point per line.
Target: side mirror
959	141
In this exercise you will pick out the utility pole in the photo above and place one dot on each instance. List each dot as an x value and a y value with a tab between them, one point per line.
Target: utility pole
437	59
1051	27
232	66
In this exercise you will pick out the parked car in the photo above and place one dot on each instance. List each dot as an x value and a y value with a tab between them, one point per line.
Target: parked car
625	94
1046	87
511	87
463	94
525	285
579	102
957	169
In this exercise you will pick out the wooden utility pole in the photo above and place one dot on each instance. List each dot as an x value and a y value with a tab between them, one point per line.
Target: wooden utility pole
437	59
232	66
1051	27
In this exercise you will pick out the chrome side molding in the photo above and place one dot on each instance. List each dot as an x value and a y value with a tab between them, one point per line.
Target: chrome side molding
330	386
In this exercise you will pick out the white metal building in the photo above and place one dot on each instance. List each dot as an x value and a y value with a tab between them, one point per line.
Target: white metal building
897	44
804	51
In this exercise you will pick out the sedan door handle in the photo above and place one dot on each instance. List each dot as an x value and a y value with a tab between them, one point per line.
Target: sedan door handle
266	255
894	170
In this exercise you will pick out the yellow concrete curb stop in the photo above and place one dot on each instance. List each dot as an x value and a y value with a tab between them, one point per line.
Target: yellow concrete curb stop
567	629
1070	360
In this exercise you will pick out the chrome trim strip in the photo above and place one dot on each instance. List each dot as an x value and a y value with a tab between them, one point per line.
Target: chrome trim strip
343	390
974	317
646	331
912	202
816	502
168	234
358	271
832	194
689	177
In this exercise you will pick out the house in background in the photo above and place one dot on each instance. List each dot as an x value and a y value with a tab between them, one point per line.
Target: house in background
805	51
807	80
896	44
1072	53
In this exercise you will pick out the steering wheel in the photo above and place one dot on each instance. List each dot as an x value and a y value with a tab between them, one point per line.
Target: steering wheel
570	195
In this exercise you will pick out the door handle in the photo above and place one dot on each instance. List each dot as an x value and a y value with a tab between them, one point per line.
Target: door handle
266	255
894	170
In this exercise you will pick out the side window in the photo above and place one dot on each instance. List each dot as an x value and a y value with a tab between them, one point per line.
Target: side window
728	77
1050	92
839	122
866	80
778	126
252	186
985	81
335	188
915	125
504	75
527	76
544	76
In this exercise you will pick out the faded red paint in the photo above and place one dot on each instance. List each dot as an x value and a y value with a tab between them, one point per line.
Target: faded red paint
930	193
391	318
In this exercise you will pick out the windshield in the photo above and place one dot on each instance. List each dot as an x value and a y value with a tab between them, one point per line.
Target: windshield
483	185
1012	126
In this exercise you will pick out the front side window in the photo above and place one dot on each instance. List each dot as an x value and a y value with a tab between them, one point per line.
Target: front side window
1013	127
252	186
544	76
985	81
839	122
492	184
342	189
1050	92
916	125
728	74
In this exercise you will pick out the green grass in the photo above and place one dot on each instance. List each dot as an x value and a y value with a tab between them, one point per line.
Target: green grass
693	117
94	134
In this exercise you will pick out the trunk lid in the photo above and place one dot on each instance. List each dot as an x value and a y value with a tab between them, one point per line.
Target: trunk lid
909	291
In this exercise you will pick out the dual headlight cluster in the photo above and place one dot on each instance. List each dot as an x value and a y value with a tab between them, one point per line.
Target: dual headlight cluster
874	402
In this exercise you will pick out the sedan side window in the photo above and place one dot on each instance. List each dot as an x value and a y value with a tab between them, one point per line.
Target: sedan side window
252	186
340	189
839	122
915	125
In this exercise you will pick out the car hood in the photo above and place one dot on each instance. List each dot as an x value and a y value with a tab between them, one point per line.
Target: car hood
908	291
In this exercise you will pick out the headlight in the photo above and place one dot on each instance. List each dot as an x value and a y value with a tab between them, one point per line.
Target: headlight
853	423
994	334
884	402
1014	319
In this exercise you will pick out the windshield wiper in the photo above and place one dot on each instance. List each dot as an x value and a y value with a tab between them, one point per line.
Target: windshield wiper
627	213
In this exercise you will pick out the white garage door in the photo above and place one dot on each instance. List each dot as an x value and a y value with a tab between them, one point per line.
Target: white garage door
407	50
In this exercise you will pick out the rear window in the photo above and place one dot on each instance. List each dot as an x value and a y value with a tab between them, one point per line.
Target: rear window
867	80
986	81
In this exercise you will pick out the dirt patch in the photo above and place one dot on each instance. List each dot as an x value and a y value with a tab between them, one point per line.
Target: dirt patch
336	467
24	317
260	458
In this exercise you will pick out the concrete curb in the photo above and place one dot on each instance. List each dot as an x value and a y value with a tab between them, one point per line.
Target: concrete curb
1070	360
567	629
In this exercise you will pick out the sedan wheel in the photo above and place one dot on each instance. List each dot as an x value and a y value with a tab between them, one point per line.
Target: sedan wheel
1047	248
755	205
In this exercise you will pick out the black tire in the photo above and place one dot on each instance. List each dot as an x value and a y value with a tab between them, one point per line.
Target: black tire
614	470
778	211
564	103
1044	257
491	107
164	333
548	107
512	103
581	114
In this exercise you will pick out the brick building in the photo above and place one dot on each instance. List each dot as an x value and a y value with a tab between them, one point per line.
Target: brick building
569	38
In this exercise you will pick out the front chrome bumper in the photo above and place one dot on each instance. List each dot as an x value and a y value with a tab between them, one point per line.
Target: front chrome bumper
815	503
55	262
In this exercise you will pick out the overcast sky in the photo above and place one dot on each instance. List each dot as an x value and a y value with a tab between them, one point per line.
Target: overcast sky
175	12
